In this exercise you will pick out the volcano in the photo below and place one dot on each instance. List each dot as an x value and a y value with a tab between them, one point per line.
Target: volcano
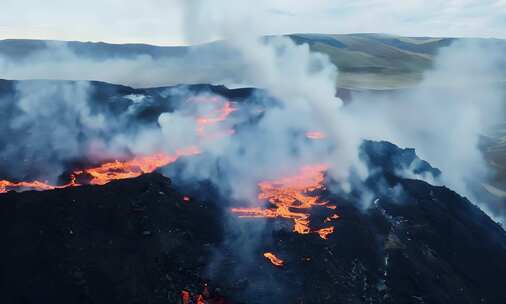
126	227
143	240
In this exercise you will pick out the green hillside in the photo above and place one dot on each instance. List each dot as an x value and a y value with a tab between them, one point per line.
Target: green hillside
365	61
378	61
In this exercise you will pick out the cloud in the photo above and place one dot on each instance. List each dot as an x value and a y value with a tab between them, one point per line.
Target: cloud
151	21
161	22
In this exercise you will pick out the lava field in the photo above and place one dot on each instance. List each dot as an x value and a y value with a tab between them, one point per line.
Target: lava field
133	229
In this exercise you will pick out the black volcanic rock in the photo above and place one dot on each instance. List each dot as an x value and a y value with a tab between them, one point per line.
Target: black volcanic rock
130	241
138	241
388	158
398	240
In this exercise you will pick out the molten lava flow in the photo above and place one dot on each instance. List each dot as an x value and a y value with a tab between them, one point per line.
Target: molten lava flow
6	185
115	170
107	172
135	167
291	197
34	185
315	135
139	165
274	259
325	232
213	118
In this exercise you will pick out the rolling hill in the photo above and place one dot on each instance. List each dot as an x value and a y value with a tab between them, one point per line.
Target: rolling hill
365	61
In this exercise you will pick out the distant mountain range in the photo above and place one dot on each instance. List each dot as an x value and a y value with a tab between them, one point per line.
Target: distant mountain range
373	61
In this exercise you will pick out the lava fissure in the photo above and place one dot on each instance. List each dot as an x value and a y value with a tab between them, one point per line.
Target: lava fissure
292	198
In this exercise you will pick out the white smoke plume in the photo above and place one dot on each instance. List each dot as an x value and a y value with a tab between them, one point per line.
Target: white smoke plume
442	118
458	101
59	61
47	127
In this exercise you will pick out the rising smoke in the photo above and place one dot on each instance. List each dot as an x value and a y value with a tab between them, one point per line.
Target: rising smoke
56	60
442	118
442	122
57	123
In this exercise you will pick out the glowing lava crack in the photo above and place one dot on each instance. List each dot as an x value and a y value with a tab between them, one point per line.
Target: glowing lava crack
292	198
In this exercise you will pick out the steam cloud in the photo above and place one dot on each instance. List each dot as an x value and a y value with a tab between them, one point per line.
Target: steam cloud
57	123
442	122
442	118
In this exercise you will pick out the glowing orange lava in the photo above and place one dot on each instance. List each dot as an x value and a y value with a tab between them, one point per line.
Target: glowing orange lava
291	197
107	172
216	116
36	185
325	232
139	165
274	259
115	170
315	135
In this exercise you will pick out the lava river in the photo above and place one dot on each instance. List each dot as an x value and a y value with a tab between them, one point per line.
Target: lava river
106	172
122	169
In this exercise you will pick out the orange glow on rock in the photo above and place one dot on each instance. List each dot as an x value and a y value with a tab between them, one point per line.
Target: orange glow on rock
34	185
325	232
213	118
315	135
123	169
115	170
274	259
107	172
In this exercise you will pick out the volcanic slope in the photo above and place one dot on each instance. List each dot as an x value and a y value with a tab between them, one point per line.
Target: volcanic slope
147	240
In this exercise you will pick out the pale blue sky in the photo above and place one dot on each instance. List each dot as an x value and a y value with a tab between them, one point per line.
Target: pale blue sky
160	21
